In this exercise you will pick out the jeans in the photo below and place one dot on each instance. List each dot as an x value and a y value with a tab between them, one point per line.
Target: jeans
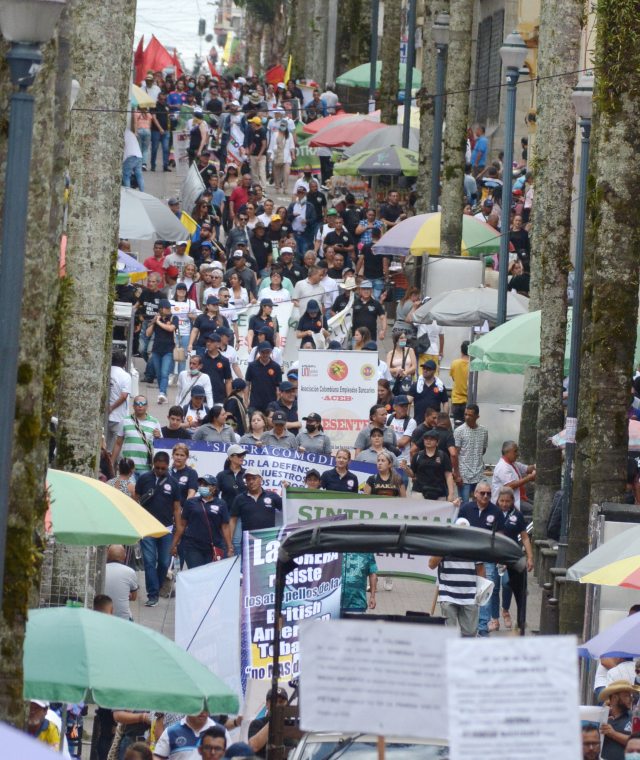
507	593
162	366
156	555
195	556
144	140
518	586
304	242
158	139
466	490
378	287
132	165
490	610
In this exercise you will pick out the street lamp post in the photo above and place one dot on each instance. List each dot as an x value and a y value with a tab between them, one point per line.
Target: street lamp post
375	12
513	53
441	38
26	24
408	82
583	103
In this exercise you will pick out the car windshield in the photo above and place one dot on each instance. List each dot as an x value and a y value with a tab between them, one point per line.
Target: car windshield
365	750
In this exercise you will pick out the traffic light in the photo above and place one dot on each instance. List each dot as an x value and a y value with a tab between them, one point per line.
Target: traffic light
201	27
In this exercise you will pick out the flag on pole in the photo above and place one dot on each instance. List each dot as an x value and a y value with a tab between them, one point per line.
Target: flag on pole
192	226
138	62
287	75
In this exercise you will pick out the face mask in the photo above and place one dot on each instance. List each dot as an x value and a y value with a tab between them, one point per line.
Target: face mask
194	371
192	86
203	491
311	428
632	756
402	343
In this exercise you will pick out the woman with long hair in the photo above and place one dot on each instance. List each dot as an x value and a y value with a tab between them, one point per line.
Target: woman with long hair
406	306
229	183
186	477
361	336
282	151
252	218
239	294
198	136
186	310
257	428
385	482
402	363
215	428
276	289
125	480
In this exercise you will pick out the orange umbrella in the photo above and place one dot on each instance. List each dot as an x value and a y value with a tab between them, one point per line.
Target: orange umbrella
313	127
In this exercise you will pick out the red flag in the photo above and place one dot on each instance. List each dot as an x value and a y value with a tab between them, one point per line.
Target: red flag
274	75
157	57
176	64
212	68
138	62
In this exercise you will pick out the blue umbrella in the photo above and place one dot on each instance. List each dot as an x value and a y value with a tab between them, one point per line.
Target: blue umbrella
620	640
17	745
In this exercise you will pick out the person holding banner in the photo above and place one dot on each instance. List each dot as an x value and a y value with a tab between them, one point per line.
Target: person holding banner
385	482
340	478
202	531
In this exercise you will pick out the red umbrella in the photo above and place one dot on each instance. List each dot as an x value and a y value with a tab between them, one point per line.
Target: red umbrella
344	133
313	127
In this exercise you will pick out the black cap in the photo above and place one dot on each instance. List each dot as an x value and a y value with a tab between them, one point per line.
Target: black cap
431	433
429	364
164	303
238	384
198	390
285	385
279	417
210	480
315	473
314	417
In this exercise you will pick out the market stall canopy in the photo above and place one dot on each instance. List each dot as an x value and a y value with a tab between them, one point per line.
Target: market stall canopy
468	307
383	138
359	77
421	234
145	217
129	269
313	127
343	134
392	161
512	347
614	563
622	639
75	655
18	745
86	512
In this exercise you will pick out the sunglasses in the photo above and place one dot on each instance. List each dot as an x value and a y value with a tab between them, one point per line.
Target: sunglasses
139	403
484	493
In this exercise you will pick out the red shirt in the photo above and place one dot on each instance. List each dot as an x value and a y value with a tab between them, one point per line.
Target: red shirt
239	197
155	265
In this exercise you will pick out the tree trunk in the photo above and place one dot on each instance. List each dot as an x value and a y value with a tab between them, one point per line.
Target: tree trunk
37	372
317	47
457	120
390	62
253	46
560	34
612	248
426	104
276	40
95	169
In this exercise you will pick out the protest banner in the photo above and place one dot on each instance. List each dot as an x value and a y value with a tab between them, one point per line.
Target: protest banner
312	591
375	678
208	617
537	713
277	464
301	505
342	387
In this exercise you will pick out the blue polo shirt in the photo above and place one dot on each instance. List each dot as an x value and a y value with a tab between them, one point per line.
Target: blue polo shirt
204	522
434	396
490	518
514	523
256	513
186	479
330	480
264	379
165	493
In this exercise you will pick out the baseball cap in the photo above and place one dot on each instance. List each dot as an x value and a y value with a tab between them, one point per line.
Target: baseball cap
235	103
214	300
313	306
235	449
276	218
280	693
255	120
241	80
279	417
286	249
332	212
314	417
173	201
198	390
181	242
164	303
281	86
197	111
171	272
401	400
285	385
238	255
40	702
366	284
487	202
370	346
429	364
238	384
215	337
293	373
255	471
266	302
312	472
208	479
264	346
181	286
301	189
239	749
431	433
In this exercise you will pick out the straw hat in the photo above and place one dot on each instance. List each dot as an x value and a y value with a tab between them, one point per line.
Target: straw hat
616	687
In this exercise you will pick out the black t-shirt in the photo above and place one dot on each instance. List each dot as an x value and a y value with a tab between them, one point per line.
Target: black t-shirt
430	473
187	479
318	201
352	217
161	112
365	314
514	524
390	213
520	283
445	437
215	106
257	514
315	324
204	522
149	302
165	493
164	341
179	433
265	380
339	240
381	487
293	274
331	480
218	370
373	264
434	396
341	301
257	323
256	725
261	249
207	325
257	138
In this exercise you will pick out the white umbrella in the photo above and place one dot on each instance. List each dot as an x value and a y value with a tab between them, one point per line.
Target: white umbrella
145	217
468	307
383	138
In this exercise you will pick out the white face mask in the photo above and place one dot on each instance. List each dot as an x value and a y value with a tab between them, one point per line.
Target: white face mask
632	755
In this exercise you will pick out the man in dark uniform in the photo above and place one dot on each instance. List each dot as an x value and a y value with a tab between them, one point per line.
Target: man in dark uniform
256	508
263	377
367	312
218	368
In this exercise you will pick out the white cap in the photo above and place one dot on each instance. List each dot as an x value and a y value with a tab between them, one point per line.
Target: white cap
286	249
463	521
40	703
217	265
241	80
281	85
235	103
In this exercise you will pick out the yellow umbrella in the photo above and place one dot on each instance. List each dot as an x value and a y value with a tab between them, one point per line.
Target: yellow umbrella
87	512
139	98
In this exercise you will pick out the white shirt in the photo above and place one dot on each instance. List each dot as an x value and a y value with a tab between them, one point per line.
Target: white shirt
182	309
131	145
230	312
152	90
399	429
231	354
276	355
301	182
119	383
119	581
433	331
625	671
383	372
186	381
503	473
277	296
331	100
331	291
163	748
299	223
304	291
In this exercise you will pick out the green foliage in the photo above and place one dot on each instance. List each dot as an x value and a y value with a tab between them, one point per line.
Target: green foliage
617	53
264	10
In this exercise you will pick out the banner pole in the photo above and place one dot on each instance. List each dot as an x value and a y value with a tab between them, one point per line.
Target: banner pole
381	746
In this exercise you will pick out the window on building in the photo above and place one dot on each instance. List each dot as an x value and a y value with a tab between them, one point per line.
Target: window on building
486	97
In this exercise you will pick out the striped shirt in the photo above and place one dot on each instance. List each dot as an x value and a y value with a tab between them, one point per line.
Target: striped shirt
472	443
133	445
457	581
